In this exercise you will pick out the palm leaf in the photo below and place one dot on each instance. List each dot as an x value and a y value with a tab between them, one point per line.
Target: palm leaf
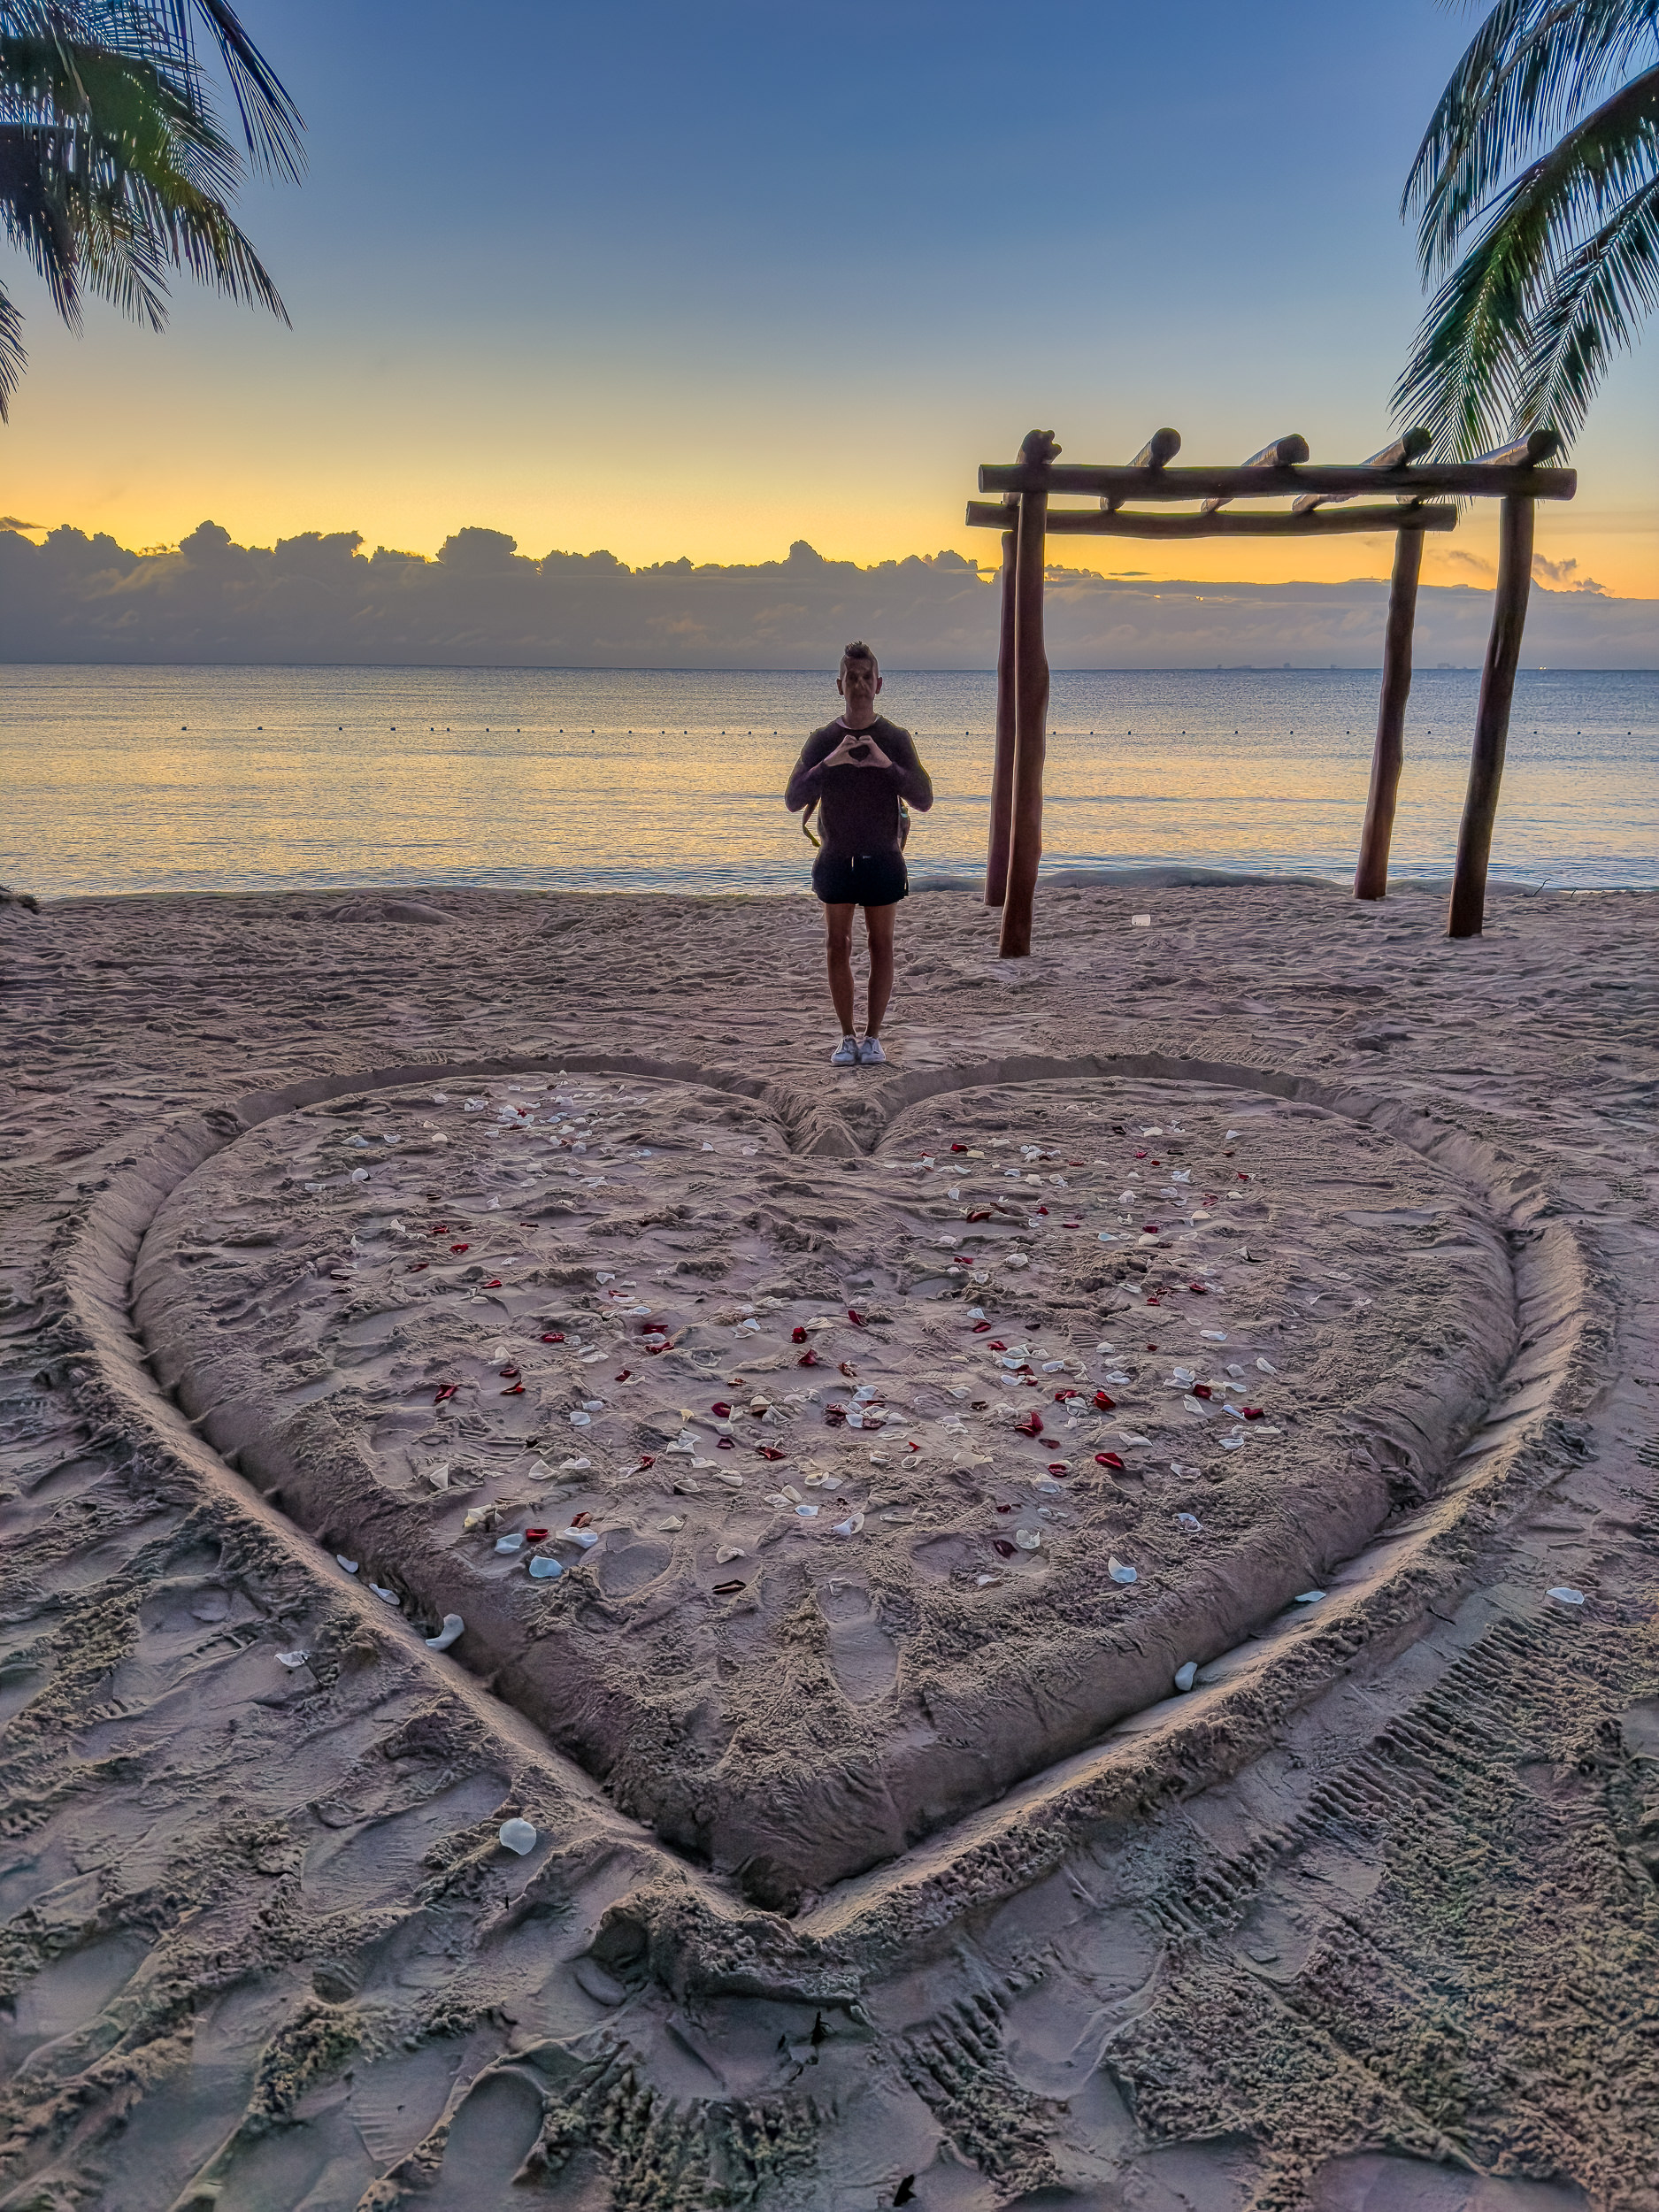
12	358
1468	378
1610	285
1530	69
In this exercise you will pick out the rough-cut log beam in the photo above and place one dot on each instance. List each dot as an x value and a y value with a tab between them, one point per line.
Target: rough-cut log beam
1370	878
1492	718
1159	450
1461	479
1030	710
1003	767
1084	523
1288	449
1400	455
1527	452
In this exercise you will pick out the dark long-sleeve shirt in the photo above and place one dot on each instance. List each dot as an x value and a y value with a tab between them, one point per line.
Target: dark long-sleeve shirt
859	807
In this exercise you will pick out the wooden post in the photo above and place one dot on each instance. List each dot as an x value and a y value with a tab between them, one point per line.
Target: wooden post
1370	878
1031	708
1491	717
1003	768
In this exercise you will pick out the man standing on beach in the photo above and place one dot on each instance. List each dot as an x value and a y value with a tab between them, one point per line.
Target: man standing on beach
856	769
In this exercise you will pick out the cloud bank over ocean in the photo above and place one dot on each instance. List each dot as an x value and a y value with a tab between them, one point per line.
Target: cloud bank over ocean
319	600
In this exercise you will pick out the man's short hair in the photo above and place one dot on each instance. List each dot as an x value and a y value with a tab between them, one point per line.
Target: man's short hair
857	651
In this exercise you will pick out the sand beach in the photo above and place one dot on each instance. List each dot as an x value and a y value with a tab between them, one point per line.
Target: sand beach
1073	1615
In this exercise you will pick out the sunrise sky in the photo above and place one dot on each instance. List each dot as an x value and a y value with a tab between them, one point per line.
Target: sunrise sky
702	282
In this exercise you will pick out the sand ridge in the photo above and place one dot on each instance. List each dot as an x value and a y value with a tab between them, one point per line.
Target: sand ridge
732	1575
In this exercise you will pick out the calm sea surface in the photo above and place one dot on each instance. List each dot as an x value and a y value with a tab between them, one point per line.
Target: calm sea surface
120	780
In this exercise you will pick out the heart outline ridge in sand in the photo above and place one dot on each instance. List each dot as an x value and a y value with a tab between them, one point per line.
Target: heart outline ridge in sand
1078	1784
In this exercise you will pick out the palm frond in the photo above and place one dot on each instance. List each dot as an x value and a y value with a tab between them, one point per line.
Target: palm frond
271	125
1529	71
1467	379
1603	291
34	215
13	360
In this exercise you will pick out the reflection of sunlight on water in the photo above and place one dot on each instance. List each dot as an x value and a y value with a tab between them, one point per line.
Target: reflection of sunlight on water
582	780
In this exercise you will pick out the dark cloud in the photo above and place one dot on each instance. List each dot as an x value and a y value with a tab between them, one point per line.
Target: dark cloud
320	598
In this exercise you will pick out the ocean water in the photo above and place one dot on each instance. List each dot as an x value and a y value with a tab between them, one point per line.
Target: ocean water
147	779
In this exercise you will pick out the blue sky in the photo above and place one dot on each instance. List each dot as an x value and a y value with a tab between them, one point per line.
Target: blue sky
674	280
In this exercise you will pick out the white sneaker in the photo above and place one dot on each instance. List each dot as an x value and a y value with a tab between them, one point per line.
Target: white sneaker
846	1054
871	1055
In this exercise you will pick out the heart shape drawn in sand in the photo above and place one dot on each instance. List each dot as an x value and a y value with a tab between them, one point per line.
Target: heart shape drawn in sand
846	1458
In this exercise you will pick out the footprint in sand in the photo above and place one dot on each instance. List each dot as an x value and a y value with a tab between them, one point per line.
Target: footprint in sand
863	1656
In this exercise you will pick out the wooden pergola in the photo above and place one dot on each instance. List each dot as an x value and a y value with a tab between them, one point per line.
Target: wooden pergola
1421	493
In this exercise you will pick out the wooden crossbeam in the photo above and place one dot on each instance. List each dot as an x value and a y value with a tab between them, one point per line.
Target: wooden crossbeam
1445	479
1116	522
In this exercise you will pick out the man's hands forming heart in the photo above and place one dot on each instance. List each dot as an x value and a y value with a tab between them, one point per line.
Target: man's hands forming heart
856	750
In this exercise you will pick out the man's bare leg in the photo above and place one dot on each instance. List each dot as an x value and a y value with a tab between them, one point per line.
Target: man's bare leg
879	922
837	941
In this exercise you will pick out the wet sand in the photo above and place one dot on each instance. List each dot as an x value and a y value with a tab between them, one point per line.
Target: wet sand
1014	1588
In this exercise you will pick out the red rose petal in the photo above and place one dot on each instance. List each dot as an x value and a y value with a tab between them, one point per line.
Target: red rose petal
725	1444
809	1359
581	1520
1105	1403
1201	1390
958	1148
797	1336
858	1319
536	1535
979	1328
554	1336
849	1371
493	1285
513	1390
509	1374
998	1543
1254	1413
1029	1425
1108	1459
460	1247
626	1375
996	1344
769	1451
720	1409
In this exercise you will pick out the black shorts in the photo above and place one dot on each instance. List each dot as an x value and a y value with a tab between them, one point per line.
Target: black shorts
860	880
